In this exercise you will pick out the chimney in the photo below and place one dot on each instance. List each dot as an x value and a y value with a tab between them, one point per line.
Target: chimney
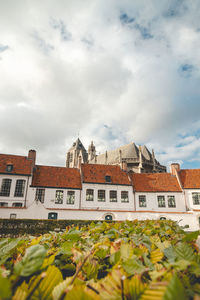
124	166
32	156
175	167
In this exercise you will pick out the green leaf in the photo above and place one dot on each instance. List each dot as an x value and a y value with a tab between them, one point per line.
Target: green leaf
184	251
133	266
191	236
73	235
126	251
134	288
5	288
6	248
32	261
175	290
60	288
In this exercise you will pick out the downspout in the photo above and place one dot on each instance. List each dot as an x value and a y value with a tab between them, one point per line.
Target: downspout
25	200
134	201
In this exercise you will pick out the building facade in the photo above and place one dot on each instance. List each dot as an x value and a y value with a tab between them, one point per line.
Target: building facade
96	192
138	159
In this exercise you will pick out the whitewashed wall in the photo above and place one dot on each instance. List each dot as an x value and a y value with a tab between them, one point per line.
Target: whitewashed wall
50	196
152	202
188	194
12	199
38	211
107	204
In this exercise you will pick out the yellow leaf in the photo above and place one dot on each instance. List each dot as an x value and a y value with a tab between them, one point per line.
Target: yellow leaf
156	256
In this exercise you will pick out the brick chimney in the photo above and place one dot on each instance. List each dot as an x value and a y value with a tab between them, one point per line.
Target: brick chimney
32	156
175	167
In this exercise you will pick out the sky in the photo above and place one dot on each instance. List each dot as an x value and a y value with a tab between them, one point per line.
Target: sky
108	71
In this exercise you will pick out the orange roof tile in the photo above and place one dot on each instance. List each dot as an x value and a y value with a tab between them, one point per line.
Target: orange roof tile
190	179
155	182
94	173
21	164
58	177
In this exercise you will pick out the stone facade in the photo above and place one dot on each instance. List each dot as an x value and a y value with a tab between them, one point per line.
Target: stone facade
138	159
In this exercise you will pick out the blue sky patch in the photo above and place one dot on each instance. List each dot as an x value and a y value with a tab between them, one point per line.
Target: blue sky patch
61	26
186	70
3	48
125	19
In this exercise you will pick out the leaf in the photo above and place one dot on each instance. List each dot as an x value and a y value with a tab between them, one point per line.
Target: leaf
134	288
6	248
191	236
73	235
184	251
155	291
175	290
78	293
21	292
43	291
133	266
48	261
59	288
126	251
5	288
32	261
156	256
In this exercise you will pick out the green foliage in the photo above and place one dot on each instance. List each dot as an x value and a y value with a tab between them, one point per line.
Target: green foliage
129	260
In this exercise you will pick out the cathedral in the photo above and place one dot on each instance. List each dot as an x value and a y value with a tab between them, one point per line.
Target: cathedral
132	158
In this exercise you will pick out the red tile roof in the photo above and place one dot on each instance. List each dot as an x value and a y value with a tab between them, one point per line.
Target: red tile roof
190	179
94	173
21	164
155	182
58	177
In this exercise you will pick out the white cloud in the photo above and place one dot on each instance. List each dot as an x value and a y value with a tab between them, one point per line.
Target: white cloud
75	66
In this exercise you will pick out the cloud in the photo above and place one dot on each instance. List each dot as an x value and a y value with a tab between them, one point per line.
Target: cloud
114	72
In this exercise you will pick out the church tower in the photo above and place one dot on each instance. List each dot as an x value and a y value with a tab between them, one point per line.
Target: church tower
76	154
91	151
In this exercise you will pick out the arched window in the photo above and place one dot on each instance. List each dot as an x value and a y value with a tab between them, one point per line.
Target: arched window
163	218
108	217
52	216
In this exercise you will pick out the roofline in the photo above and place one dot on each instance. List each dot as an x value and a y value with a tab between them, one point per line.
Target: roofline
110	183
16	174
56	167
55	187
157	191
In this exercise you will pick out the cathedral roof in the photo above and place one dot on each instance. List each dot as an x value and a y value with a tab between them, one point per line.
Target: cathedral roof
155	182
77	145
57	177
94	173
21	164
129	151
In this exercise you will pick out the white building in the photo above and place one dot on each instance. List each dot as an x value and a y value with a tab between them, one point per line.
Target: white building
96	192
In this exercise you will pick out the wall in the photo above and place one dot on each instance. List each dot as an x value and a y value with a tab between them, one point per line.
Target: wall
152	202
107	204
11	199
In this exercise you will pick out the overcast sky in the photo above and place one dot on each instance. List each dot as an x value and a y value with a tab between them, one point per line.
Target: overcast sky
111	71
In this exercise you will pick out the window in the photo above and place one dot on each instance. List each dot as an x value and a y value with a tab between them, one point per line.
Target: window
70	157
5	187
113	196
17	204
70	197
52	216
161	201
59	197
196	198
142	201
9	168
19	188
101	195
3	204
163	218
171	201
107	178
13	216
89	195
108	217
39	195
124	196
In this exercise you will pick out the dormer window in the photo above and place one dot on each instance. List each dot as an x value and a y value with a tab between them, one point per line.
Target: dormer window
107	178
9	168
